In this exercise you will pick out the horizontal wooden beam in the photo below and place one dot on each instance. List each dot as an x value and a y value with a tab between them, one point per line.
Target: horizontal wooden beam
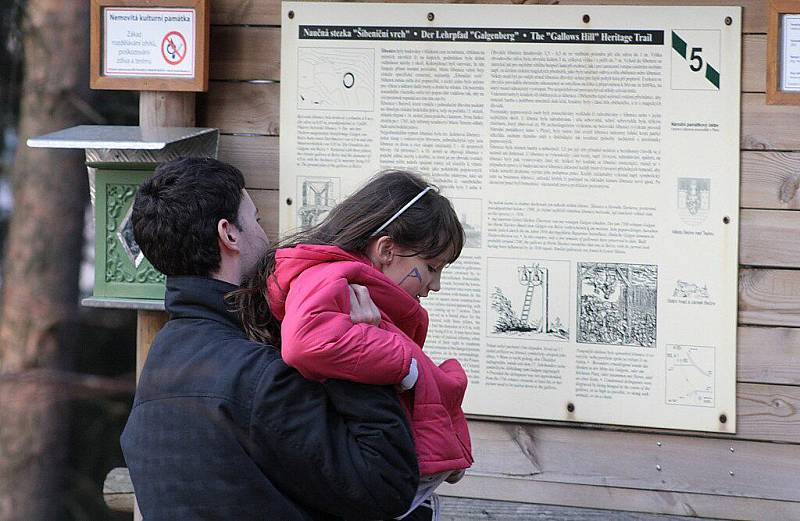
268	12
769	127
656	461
770	238
675	503
768	355
247	12
241	108
118	490
454	508
119	496
768	412
255	156
769	297
247	53
770	180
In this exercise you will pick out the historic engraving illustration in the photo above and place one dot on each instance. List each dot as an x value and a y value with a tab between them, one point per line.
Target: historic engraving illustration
317	196
529	298
685	289
617	304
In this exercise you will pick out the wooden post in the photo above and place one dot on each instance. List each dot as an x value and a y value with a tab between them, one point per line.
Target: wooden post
158	109
166	109
147	325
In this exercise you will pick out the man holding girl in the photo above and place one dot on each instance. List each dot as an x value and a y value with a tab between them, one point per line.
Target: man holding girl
223	428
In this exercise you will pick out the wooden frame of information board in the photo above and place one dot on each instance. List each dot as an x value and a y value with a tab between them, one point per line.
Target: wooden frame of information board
151	81
775	95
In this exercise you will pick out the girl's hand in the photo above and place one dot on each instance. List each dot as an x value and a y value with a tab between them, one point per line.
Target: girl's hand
362	309
455	476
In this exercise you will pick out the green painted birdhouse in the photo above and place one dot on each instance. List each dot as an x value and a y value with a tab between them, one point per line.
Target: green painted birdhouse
119	159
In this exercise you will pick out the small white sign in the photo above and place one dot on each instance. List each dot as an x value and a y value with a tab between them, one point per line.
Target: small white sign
790	53
148	42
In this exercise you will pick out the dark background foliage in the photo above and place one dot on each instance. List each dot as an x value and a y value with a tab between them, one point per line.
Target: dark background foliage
106	337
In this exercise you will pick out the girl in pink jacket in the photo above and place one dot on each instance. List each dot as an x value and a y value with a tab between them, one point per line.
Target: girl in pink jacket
393	237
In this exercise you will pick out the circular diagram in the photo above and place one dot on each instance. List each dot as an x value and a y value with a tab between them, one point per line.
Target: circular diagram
348	80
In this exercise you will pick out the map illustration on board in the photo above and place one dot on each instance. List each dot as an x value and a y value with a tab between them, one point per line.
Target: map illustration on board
335	79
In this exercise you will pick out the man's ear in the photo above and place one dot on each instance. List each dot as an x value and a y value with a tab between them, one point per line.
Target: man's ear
228	235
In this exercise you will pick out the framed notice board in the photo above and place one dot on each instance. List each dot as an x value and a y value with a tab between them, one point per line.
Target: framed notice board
783	53
149	45
591	154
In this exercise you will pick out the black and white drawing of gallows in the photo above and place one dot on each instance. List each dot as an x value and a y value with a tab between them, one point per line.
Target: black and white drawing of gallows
617	304
316	200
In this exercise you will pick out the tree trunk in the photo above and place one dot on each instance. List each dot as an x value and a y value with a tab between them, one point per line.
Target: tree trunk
40	282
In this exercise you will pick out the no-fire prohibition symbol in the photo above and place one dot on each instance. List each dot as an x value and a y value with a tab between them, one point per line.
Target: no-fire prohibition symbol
173	48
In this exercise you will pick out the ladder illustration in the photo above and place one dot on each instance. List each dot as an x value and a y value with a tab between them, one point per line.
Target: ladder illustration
533	277
526	305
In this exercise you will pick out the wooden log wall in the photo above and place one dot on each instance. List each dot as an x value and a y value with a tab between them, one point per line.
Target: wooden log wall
752	475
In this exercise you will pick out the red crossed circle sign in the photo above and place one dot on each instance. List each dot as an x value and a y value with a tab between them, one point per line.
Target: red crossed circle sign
173	48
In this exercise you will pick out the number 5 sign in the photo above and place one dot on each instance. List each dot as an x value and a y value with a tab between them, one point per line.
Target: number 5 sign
137	45
695	59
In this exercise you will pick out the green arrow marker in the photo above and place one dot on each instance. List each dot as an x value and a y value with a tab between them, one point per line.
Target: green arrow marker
678	44
712	75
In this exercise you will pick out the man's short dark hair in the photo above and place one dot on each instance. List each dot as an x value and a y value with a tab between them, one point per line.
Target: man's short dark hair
176	212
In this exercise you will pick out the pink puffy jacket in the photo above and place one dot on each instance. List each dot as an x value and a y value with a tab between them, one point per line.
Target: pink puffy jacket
309	294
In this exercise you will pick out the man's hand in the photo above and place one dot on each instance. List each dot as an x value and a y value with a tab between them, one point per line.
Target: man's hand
362	309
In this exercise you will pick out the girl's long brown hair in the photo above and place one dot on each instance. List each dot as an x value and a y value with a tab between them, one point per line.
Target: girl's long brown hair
429	227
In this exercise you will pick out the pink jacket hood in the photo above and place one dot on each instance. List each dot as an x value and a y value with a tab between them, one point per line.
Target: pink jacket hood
402	309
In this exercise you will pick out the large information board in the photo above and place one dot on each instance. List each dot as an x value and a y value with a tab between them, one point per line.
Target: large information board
592	153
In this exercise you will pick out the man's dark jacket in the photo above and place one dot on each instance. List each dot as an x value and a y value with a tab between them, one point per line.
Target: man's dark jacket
222	428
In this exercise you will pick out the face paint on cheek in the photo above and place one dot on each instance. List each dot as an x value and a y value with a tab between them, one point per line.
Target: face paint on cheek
414	274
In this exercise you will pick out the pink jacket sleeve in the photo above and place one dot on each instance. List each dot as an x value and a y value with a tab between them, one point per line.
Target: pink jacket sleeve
319	339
